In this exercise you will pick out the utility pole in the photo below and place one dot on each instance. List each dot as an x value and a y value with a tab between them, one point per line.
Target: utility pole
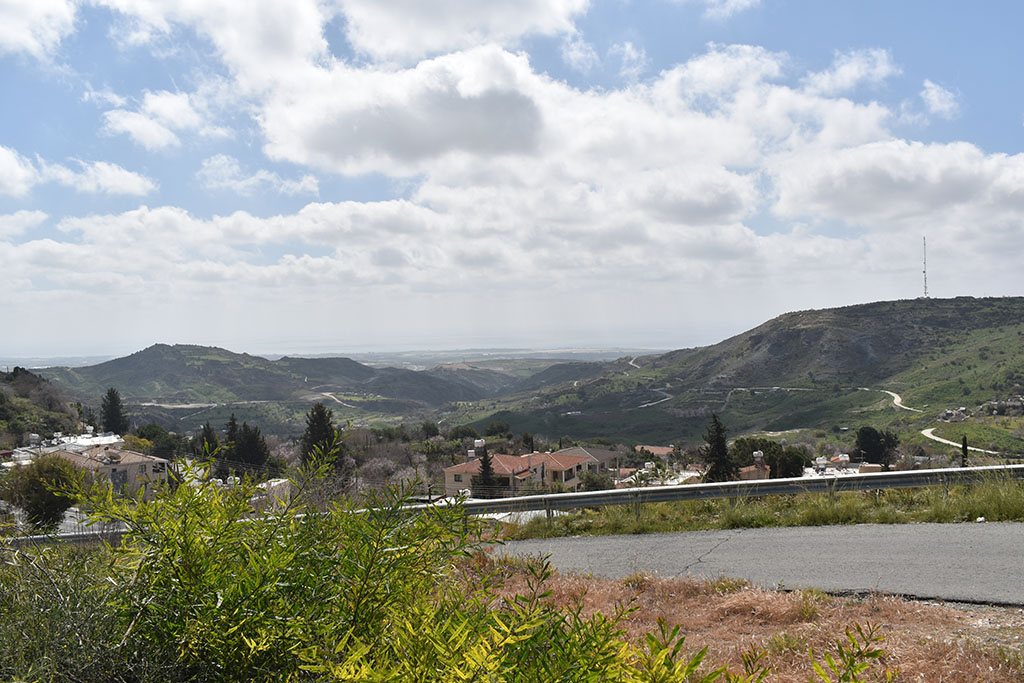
924	242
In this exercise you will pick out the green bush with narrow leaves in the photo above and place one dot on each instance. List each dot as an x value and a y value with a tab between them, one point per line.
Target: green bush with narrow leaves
224	585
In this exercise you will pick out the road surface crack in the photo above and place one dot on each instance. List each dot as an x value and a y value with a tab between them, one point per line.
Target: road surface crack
702	556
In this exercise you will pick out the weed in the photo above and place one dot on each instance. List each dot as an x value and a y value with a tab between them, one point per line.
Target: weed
724	585
853	656
785	643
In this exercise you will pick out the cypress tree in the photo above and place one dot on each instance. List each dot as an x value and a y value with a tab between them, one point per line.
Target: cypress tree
715	453
320	433
484	484
206	441
113	416
251	450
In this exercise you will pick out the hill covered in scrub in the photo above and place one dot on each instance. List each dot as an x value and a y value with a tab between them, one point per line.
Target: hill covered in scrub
801	369
30	404
806	369
194	374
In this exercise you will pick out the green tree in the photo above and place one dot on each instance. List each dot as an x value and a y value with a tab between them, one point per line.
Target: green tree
715	453
36	489
251	450
320	432
877	446
496	429
165	444
484	484
227	450
527	439
788	461
462	432
429	429
206	441
595	481
112	413
792	462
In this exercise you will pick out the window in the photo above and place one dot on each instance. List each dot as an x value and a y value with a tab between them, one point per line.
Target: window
458	477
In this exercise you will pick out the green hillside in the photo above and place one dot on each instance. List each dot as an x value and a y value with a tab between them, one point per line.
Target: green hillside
179	387
800	370
822	370
30	404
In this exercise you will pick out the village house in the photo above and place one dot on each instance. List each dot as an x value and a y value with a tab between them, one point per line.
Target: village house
607	460
128	471
515	474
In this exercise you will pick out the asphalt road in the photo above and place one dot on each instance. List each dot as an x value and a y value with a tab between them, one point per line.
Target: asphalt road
973	562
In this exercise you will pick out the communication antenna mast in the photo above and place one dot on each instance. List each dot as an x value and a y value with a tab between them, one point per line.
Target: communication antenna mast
924	243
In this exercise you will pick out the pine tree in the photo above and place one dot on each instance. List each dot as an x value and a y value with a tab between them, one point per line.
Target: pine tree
206	441
251	450
484	484
320	433
715	453
113	415
230	436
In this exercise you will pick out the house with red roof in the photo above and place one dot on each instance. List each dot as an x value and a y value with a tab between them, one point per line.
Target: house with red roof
518	473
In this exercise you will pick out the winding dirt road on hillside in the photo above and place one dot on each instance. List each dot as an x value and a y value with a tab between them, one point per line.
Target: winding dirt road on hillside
897	401
930	434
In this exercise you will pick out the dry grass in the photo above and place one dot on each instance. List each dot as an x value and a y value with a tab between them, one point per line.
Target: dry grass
927	642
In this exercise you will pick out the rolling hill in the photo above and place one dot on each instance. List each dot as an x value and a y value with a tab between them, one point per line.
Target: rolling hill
199	374
801	369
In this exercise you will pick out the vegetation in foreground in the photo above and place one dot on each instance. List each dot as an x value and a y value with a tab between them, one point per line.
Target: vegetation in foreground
999	499
203	588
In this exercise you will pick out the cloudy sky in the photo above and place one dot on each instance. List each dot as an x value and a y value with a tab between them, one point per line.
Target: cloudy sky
344	175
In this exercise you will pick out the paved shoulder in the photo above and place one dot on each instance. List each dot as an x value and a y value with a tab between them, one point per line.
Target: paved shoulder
965	562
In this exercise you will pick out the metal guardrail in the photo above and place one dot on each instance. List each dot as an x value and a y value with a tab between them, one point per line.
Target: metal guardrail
111	536
657	494
741	489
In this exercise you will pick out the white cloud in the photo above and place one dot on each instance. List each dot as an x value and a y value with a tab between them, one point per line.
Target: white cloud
893	184
408	29
99	177
851	69
579	54
173	110
354	121
224	172
724	9
939	101
160	115
262	44
104	96
17	174
633	61
35	27
145	131
14	224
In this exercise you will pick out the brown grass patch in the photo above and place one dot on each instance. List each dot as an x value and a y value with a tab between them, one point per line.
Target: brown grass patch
927	642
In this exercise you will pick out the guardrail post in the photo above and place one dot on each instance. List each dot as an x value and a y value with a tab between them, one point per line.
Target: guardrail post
636	505
832	490
547	509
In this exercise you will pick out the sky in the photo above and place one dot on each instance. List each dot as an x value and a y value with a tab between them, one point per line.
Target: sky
313	176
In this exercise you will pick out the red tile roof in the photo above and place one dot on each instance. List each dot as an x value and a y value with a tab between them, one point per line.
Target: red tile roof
502	464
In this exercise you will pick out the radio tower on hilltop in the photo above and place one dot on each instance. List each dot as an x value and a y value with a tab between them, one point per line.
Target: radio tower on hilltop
924	243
